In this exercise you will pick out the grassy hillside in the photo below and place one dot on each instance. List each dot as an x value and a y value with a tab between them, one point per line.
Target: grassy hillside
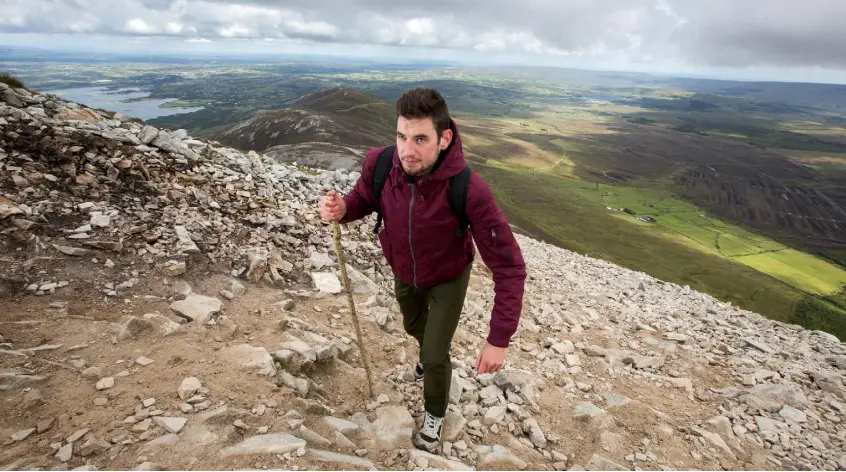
339	116
767	190
801	270
573	214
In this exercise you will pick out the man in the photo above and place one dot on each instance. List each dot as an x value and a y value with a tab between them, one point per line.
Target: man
430	259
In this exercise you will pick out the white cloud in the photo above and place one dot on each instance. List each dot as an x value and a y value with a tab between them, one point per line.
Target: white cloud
312	28
173	28
138	26
490	42
86	23
615	33
198	40
9	20
235	31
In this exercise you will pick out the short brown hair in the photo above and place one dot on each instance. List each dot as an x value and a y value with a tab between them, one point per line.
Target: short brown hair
420	102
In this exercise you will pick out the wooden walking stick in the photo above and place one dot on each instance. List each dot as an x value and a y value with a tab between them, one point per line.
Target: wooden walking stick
337	230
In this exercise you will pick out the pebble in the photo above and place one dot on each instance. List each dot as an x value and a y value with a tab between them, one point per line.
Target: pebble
105	383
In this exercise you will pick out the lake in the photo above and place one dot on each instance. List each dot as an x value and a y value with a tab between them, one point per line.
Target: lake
115	100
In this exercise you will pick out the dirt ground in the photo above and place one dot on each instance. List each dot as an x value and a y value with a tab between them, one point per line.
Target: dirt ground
84	336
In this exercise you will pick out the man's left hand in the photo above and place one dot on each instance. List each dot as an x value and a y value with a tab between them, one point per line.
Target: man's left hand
490	359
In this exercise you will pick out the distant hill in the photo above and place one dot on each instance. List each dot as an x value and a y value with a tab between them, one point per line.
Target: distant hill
331	128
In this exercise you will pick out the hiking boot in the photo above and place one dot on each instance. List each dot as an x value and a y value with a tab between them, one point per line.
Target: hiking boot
418	371
430	434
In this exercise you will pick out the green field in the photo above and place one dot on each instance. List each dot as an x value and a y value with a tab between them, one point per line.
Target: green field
801	270
798	269
680	246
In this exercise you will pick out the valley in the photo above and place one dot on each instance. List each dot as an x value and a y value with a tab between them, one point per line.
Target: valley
735	189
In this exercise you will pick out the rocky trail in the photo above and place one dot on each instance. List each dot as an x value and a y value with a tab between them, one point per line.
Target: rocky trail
169	303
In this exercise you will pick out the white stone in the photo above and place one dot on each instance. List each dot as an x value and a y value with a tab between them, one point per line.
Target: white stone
105	383
564	347
499	457
188	387
65	453
342	426
440	463
198	308
494	415
328	456
99	220
392	423
170	424
361	283
326	282
185	244
256	359
22	434
320	260
265	444
789	413
716	440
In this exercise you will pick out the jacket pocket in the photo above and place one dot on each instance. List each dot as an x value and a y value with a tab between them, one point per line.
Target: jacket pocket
498	240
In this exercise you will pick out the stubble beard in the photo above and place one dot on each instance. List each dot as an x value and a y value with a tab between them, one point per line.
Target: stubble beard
419	171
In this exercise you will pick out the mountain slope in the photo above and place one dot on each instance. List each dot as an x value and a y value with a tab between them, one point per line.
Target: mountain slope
169	304
337	124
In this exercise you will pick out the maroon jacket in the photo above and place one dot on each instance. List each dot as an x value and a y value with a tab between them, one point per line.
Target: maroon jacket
433	252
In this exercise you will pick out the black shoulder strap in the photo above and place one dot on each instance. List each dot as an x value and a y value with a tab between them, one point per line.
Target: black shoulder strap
458	184
380	175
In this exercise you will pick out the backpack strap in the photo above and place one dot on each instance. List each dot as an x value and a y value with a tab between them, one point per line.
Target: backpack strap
380	174
458	184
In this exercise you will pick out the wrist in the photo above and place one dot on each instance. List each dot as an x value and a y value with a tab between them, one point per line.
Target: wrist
496	343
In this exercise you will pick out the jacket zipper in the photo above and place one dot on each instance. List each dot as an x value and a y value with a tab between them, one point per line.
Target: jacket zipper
410	246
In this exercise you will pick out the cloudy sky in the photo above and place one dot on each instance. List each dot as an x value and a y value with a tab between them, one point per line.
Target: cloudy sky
769	39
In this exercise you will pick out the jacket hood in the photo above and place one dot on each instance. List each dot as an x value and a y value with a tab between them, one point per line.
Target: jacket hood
450	161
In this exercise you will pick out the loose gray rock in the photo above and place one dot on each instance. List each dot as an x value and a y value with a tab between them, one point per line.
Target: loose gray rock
197	308
440	463
326	282
598	462
392	423
313	439
334	457
105	383
188	387
264	444
453	425
255	359
715	440
536	435
342	426
792	414
499	457
170	424
65	453
22	434
298	384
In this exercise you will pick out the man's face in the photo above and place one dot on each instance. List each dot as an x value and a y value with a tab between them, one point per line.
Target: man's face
418	145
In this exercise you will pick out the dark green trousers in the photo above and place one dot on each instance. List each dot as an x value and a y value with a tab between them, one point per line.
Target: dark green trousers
431	315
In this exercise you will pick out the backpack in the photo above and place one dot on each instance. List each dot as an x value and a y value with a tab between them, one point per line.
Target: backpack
457	190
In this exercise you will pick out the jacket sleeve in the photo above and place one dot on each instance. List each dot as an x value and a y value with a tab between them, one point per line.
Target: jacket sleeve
360	200
501	253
